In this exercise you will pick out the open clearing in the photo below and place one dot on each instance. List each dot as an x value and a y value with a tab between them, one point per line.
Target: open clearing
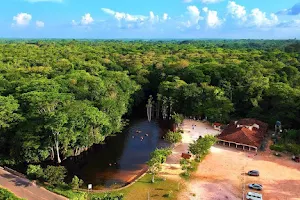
221	176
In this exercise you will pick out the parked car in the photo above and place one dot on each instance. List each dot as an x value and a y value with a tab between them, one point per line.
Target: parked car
253	196
255	186
253	173
296	158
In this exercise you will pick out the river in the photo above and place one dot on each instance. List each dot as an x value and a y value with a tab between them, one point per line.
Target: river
121	158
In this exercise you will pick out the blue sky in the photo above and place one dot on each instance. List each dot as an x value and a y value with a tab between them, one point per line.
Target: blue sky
110	19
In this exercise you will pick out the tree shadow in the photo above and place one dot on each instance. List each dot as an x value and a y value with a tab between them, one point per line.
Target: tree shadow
16	180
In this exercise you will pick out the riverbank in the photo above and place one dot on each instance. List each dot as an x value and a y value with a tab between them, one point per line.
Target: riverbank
142	189
120	159
168	182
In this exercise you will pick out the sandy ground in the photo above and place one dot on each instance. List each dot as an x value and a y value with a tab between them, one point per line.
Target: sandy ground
221	176
172	167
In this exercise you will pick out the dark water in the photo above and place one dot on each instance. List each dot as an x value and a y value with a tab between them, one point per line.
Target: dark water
121	158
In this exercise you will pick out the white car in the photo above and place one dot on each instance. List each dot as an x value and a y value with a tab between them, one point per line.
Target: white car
253	196
255	186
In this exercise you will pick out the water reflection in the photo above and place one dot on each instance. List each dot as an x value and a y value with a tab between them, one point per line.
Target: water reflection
121	158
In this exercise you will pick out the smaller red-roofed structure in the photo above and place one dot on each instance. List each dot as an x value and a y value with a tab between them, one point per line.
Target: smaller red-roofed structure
247	133
217	126
186	155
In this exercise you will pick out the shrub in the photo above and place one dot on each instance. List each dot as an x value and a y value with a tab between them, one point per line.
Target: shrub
35	172
277	147
76	182
201	146
158	157
55	175
67	192
169	194
173	137
293	148
289	147
161	153
6	160
109	196
185	165
180	131
7	195
178	118
293	135
193	166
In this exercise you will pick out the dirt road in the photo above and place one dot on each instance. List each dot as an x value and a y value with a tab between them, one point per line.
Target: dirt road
23	188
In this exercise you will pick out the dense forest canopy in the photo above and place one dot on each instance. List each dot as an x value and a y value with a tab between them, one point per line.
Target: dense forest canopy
59	97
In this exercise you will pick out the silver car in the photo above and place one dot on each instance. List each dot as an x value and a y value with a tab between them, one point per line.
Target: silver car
255	186
253	196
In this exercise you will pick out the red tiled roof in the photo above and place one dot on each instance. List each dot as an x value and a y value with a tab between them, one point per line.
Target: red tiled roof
217	124
186	155
244	135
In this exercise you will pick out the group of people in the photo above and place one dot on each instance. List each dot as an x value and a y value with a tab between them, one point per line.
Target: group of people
193	126
112	164
142	137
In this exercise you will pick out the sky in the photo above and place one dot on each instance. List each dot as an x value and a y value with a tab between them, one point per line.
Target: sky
152	19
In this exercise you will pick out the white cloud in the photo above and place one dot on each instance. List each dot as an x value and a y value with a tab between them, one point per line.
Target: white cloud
205	9
37	1
237	11
165	16
108	11
124	16
288	24
212	19
87	19
255	18
39	24
295	10
211	1
203	1
153	18
195	17
259	19
126	20
74	23
22	19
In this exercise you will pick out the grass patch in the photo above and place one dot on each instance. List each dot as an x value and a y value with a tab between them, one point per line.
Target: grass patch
160	190
185	175
67	192
7	195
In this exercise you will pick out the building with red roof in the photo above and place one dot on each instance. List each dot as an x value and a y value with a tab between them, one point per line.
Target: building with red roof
217	126
247	133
